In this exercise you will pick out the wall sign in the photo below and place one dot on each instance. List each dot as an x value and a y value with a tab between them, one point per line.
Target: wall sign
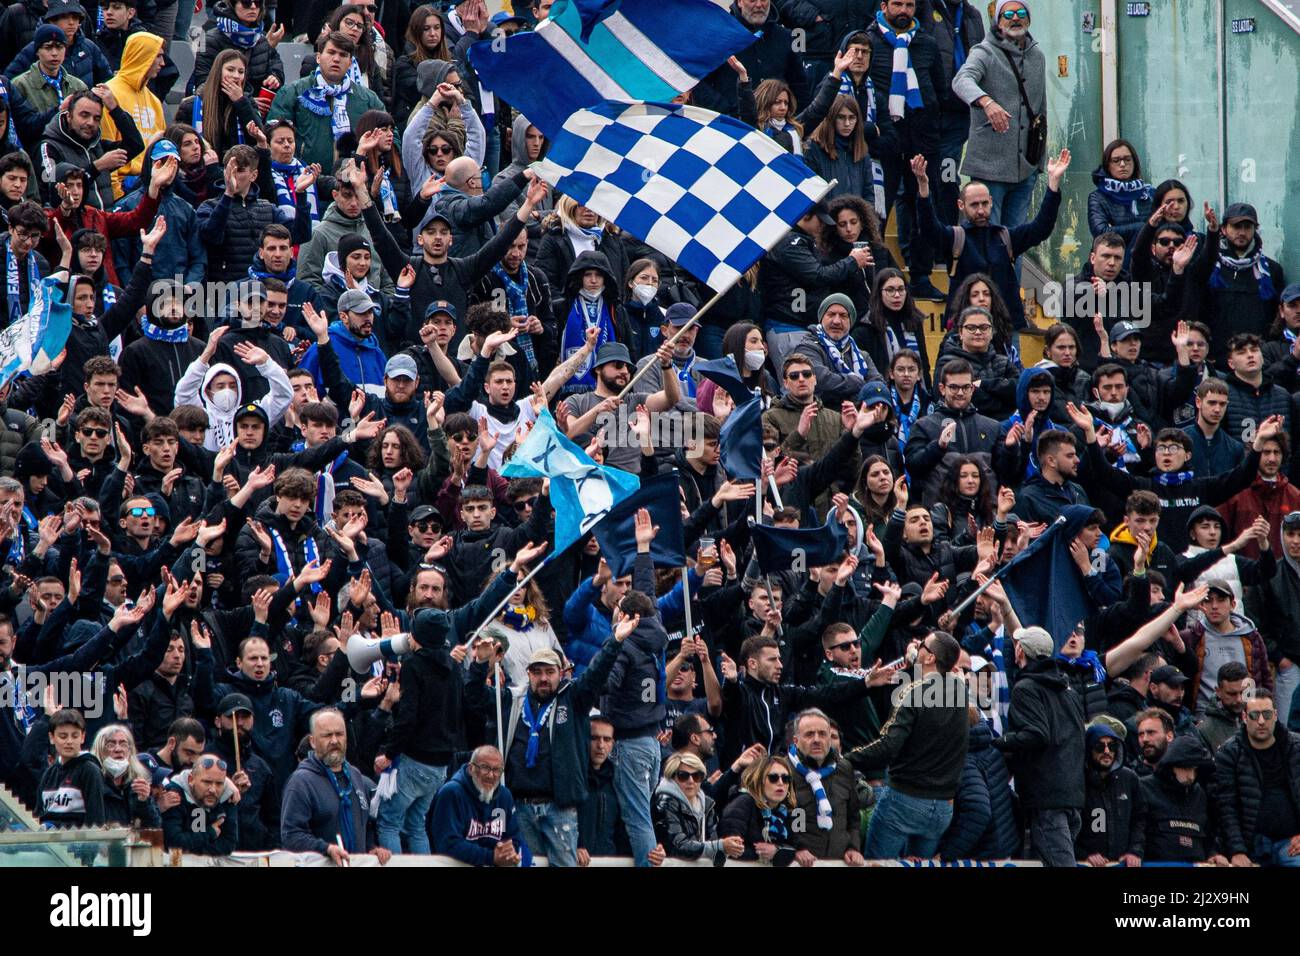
1138	9
1246	25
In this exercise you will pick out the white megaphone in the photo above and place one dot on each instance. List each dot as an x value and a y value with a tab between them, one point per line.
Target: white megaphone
364	651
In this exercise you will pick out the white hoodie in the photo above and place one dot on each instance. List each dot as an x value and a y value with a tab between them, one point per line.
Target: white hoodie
192	389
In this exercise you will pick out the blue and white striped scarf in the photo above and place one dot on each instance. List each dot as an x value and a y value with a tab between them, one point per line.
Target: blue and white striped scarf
517	301
286	198
330	99
845	356
241	36
1257	264
814	779
13	284
157	333
582	316
904	91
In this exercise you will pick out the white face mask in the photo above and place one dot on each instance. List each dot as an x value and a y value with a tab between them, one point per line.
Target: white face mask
591	296
225	399
116	766
644	294
754	359
1112	408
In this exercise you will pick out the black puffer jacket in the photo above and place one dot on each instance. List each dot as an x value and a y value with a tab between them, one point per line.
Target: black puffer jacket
1238	788
997	375
232	244
638	668
19	429
1045	738
262	59
685	834
927	463
983	819
1114	816
1178	815
555	257
17	26
794	279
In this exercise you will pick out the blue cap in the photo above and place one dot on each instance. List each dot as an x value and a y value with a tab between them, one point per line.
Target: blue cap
162	149
440	305
48	33
679	313
1291	292
873	393
506	17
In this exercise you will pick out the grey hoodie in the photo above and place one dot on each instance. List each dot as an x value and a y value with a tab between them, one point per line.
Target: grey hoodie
519	162
1218	652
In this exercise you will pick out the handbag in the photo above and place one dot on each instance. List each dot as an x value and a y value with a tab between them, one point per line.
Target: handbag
1036	144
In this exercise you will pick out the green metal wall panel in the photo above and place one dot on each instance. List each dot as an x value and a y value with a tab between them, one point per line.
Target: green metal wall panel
1262	99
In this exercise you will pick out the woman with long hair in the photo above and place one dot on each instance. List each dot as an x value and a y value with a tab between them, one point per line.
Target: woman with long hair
1122	200
893	323
980	291
426	39
1061	358
525	623
745	343
200	175
856	221
571	231
776	114
392	450
128	797
220	111
965	505
874	495
390	191
761	814
837	150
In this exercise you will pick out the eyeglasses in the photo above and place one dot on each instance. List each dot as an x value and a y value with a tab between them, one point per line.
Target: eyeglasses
1015	14
24	234
845	645
796	376
892	291
95	432
207	763
685	775
778	778
1166	241
142	512
1169	449
1111	746
352	22
441	150
524	504
981	327
1260	714
1122	160
959	389
487	771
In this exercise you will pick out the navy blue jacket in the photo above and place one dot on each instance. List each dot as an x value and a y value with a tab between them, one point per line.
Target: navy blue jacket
467	829
983	814
309	809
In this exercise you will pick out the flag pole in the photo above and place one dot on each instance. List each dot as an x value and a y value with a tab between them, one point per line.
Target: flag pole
717	296
686	601
989	583
501	733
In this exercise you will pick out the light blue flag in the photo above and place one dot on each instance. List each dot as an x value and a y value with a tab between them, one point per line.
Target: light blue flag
33	342
582	492
711	193
593	50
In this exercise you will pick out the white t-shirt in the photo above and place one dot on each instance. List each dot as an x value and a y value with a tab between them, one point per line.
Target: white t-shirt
504	431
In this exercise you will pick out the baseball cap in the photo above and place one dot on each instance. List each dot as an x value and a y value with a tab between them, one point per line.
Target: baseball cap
234	702
437	216
1123	330
1168	674
356	300
424	513
440	305
1291	292
545	655
873	393
401	366
679	313
822	213
61	8
612	352
162	149
1036	642
504	17
252	408
1221	586
1240	210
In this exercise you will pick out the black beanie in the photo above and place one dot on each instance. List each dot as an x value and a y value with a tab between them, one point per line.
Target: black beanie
350	243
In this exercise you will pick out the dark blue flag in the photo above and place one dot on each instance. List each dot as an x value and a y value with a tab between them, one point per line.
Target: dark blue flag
616	532
799	549
742	441
1043	583
725	375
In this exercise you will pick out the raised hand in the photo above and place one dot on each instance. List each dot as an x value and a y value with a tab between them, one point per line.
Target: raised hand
527	555
250	354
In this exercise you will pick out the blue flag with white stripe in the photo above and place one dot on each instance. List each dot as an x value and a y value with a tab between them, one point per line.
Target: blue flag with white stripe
32	343
592	50
582	492
710	192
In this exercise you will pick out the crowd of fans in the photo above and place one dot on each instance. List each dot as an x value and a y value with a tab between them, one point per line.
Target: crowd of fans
313	317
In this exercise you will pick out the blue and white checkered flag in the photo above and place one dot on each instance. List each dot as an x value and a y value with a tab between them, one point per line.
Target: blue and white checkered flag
708	191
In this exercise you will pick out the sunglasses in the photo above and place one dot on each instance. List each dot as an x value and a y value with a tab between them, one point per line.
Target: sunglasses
1015	14
117	579
142	512
207	763
686	668
1109	746
428	525
1260	714
444	149
95	432
845	645
249	3
524	504
684	775
1167	241
778	778
770	447
617	364
796	376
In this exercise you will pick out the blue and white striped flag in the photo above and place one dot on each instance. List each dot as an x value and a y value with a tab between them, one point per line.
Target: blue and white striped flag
593	50
32	343
582	492
710	192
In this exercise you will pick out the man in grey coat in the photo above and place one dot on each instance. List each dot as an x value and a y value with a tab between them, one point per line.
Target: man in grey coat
999	127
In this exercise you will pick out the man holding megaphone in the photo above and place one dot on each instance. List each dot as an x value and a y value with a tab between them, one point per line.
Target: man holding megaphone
428	720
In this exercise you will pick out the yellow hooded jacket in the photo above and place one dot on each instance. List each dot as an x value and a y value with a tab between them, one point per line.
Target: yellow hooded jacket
128	85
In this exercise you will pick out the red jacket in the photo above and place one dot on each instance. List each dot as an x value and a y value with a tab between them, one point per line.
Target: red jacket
1270	499
114	225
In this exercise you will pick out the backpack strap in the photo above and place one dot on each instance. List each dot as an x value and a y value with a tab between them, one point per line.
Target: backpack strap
958	244
1005	233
